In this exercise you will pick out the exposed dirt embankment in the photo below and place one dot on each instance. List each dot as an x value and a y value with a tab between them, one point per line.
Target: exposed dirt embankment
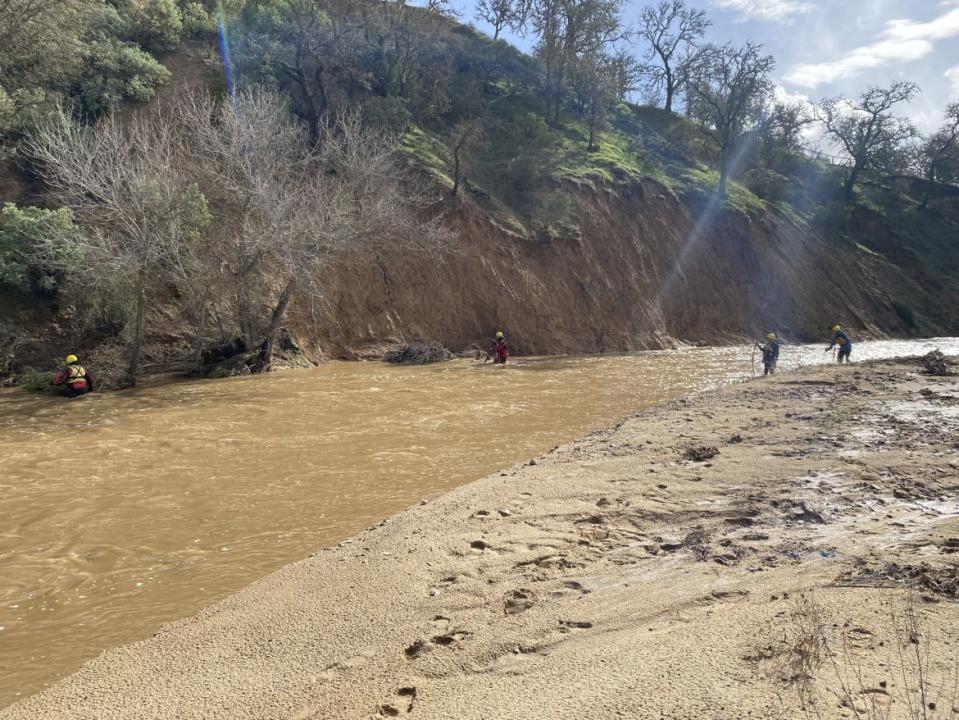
648	268
782	543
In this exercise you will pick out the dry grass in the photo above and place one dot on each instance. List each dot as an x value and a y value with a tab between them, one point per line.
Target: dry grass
824	666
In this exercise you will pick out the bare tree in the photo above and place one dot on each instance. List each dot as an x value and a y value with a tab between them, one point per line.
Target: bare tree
569	30
670	27
124	182
727	94
598	80
866	129
503	14
294	209
780	129
939	154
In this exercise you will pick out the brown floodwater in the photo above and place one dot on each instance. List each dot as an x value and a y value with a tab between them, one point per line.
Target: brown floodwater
126	510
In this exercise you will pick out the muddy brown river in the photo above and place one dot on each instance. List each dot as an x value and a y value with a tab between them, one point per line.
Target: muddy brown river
123	511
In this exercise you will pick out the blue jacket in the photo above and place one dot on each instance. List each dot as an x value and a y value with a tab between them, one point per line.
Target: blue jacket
842	340
770	351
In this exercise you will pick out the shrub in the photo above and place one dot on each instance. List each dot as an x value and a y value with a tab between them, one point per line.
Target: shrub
525	171
27	236
832	215
156	25
768	185
37	381
115	71
388	112
197	22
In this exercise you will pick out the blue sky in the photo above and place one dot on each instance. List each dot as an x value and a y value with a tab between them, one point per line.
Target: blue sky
831	47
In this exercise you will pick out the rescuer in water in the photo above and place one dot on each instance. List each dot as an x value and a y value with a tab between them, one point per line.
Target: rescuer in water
844	342
770	353
499	352
75	377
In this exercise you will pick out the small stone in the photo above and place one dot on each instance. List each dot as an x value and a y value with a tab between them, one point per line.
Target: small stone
504	512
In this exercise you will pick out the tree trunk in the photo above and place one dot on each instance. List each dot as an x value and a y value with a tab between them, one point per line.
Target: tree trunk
200	333
592	129
138	324
265	357
723	173
670	91
851	181
457	168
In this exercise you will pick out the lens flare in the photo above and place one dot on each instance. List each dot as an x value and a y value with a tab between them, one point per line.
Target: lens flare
222	34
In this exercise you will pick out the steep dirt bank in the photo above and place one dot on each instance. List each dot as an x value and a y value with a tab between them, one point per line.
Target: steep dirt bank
648	268
728	556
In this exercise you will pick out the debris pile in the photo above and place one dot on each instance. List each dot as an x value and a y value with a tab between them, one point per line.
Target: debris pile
700	454
418	353
935	363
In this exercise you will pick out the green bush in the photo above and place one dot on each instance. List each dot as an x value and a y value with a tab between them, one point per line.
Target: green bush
38	381
156	25
197	22
832	215
388	112
525	171
114	72
29	247
768	185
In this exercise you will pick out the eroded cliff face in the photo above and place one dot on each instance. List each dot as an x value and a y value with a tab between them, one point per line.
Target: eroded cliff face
649	270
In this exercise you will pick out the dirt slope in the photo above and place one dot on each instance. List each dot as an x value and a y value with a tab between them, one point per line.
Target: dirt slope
641	274
619	576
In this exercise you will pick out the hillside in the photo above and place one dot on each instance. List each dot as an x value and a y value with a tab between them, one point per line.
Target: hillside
570	243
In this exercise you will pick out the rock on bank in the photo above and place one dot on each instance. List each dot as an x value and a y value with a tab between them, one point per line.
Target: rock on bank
615	577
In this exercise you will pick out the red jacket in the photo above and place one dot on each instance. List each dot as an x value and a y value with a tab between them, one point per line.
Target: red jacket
73	375
500	351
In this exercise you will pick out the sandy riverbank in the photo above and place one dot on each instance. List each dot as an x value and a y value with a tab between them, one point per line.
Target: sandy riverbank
615	577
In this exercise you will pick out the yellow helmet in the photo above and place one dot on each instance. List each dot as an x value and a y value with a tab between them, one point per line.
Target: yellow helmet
499	334
837	328
72	359
771	336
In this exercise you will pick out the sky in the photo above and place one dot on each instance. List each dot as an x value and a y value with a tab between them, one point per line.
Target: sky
825	48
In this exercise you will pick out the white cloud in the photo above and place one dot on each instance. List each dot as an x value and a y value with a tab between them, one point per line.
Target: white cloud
776	10
901	41
952	75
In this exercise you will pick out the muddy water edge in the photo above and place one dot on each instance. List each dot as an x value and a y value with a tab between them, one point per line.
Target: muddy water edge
124	511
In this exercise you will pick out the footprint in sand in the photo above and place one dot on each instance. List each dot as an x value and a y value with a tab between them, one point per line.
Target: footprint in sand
440	622
517	601
444	583
568	625
402	704
420	647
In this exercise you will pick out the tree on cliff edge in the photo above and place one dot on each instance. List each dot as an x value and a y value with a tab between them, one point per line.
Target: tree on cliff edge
866	129
670	27
728	90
